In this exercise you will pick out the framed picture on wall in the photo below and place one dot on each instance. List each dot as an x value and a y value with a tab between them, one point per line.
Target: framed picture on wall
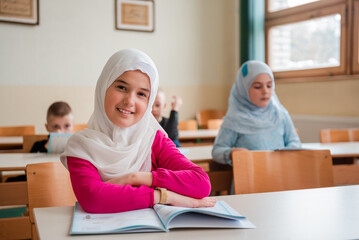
135	15
20	11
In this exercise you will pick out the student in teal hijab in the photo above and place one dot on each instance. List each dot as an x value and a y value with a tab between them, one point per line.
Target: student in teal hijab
255	119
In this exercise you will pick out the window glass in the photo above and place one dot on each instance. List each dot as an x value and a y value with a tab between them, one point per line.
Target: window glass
305	45
276	5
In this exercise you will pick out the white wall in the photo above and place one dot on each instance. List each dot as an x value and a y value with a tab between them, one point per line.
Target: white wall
309	126
194	47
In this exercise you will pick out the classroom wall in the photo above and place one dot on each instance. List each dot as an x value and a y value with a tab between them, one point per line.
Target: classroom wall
329	98
194	46
317	105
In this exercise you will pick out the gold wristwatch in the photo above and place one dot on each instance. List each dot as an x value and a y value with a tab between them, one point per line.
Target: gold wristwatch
163	197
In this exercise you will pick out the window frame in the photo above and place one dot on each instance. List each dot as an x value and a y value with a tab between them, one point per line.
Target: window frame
349	12
355	43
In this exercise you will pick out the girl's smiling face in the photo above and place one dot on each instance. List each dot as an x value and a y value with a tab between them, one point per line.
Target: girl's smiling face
127	98
261	90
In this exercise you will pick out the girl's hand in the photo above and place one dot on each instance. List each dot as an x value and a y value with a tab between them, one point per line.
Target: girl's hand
179	200
134	179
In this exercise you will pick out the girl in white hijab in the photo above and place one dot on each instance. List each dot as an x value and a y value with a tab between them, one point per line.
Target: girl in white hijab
120	161
255	119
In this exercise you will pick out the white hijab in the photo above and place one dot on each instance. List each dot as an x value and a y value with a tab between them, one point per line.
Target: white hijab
113	150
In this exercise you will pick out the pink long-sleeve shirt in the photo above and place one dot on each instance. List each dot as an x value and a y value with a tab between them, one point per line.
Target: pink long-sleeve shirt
170	170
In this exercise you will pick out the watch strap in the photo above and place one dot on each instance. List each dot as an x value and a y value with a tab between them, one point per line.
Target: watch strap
163	197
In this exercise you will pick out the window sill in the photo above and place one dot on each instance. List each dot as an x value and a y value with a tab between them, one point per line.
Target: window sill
318	79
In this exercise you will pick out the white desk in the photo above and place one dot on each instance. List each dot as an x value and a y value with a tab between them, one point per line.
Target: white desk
11	140
10	143
343	173
195	134
197	153
323	213
18	161
341	149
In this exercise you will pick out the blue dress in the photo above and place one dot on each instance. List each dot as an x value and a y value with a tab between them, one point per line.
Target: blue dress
283	137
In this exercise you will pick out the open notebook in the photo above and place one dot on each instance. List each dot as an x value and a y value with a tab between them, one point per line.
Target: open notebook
57	142
159	218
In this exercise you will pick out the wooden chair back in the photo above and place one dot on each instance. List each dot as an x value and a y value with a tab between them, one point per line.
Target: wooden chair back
17	131
339	135
48	185
14	195
29	140
267	171
214	123
78	127
204	115
187	125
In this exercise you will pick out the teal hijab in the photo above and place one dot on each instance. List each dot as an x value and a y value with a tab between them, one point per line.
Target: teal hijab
243	116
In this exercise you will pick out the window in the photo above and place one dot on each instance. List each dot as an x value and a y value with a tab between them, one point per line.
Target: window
308	39
355	43
283	4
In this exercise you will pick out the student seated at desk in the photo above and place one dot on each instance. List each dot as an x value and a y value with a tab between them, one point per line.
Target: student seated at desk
255	119
170	125
59	119
123	161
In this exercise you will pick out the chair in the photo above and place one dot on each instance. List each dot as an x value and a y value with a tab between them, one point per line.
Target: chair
339	135
184	126
187	125
214	123
27	143
345	169
48	185
204	115
17	131
267	171
78	127
221	177
29	140
13	198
